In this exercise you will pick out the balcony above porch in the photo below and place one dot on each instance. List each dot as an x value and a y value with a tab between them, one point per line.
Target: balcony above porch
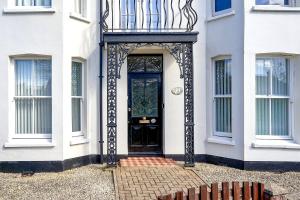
148	18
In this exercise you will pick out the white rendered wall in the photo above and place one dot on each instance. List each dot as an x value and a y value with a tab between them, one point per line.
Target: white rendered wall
269	33
41	34
81	41
225	38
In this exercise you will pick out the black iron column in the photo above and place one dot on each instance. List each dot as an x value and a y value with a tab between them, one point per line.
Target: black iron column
188	104
112	65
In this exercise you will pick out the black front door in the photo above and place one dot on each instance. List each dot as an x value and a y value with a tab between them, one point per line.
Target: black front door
145	103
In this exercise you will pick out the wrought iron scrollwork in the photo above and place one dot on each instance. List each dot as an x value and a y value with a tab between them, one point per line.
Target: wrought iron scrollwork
188	104
175	49
154	15
191	14
105	16
183	54
112	105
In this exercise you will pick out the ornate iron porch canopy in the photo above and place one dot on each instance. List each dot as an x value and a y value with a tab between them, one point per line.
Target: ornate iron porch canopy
183	54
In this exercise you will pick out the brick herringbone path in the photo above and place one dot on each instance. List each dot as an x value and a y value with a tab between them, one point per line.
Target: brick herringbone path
149	182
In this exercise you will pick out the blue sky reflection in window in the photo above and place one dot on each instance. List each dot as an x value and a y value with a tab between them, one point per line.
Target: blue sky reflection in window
272	2
221	5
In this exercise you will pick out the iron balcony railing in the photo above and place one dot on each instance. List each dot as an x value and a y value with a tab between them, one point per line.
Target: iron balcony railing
148	16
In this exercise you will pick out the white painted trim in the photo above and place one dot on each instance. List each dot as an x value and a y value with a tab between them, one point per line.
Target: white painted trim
79	140
83	104
220	16
79	17
274	8
275	144
13	97
221	140
290	97
214	97
30	144
32	9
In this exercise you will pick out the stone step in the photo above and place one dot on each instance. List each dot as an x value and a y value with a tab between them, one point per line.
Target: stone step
146	161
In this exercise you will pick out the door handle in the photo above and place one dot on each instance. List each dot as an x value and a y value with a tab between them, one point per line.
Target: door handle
129	109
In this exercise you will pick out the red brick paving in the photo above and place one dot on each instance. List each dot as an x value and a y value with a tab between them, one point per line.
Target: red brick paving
149	179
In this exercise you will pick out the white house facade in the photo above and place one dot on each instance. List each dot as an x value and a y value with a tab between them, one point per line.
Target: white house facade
89	81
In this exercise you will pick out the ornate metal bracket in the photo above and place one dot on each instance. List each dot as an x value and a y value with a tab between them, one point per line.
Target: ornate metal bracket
175	49
117	53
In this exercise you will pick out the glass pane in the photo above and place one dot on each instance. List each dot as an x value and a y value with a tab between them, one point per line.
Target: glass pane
136	64
262	117
128	13
222	5
23	116
280	79
43	116
138	97
76	115
153	13
42	78
223	115
153	63
76	79
145	64
223	77
272	2
280	117
23	77
263	71
151	98
262	2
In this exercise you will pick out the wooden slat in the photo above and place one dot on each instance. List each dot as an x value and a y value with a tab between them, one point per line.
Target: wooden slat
168	197
255	191
236	190
225	191
246	191
214	191
203	192
179	195
261	191
191	194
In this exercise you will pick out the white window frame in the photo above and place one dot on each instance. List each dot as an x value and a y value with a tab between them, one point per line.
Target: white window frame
214	13
290	97
216	133
82	8
28	135
32	5
82	132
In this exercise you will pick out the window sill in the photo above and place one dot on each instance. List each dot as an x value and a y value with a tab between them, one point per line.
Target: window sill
27	10
221	140
275	8
216	17
32	143
79	140
275	144
79	18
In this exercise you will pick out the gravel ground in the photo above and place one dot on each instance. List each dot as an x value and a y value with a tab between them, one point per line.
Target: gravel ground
89	182
280	183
